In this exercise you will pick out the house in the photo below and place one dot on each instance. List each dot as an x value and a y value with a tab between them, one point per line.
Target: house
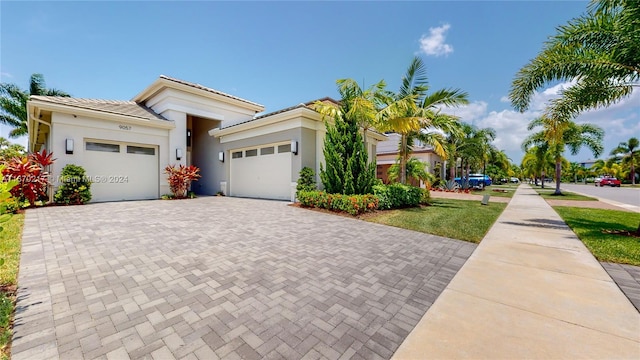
387	155
124	146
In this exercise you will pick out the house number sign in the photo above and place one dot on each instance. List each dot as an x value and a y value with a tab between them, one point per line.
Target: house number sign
124	127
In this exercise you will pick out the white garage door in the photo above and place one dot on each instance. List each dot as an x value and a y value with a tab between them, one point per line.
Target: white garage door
121	171
262	172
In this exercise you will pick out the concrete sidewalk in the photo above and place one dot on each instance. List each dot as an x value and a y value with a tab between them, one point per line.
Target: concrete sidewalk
530	290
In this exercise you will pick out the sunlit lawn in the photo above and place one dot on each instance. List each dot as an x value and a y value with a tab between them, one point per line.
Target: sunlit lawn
588	224
547	193
10	241
456	219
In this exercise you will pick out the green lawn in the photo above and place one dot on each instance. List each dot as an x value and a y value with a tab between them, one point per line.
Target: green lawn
10	243
547	193
588	224
456	219
509	188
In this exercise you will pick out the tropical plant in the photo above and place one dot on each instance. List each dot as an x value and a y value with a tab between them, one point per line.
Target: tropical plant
598	51
557	135
416	169
411	112
352	204
31	174
629	151
180	178
537	162
13	103
75	188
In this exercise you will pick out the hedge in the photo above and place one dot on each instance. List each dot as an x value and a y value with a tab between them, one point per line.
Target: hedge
352	204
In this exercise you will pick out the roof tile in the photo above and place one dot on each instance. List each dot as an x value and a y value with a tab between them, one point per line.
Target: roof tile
119	107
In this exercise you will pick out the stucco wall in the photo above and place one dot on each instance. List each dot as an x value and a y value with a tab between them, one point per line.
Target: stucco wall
79	128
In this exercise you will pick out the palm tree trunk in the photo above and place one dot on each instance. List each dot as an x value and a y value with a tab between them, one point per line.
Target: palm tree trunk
542	176
633	179
558	173
403	159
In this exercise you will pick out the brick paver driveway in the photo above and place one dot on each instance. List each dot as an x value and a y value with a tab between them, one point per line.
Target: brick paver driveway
221	277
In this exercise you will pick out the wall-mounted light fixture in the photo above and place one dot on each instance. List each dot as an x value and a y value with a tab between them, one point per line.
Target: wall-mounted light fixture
178	153
68	146
221	156
294	147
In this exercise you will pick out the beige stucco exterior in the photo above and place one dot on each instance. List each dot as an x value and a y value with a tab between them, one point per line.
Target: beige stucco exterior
160	117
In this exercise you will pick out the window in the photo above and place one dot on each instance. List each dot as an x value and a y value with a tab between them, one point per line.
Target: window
96	146
250	153
284	148
267	150
140	150
236	155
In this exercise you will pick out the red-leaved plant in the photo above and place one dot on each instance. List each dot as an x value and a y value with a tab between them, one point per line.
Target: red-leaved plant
31	175
180	178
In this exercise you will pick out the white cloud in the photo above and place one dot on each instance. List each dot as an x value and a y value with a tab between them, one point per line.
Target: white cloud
434	43
5	75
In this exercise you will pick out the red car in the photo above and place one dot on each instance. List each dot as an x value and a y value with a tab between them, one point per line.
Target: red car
610	181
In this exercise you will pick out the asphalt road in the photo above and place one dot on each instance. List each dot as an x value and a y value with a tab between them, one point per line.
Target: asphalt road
623	195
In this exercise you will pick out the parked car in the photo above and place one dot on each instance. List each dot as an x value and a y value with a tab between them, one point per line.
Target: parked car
608	181
476	180
514	180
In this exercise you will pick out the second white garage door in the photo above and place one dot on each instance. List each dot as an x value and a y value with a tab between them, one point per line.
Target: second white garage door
121	171
261	172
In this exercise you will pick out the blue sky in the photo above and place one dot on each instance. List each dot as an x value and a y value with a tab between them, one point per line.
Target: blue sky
282	53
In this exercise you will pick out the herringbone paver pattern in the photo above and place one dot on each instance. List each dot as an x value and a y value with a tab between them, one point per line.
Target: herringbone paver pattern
221	278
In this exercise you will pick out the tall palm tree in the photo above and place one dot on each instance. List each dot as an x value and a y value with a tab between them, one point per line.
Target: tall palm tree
13	103
630	155
411	110
557	135
600	51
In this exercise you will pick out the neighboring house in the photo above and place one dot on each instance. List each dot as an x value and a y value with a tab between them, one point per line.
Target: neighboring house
125	145
387	155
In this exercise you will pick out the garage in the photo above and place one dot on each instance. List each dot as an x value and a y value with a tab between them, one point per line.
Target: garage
121	171
261	172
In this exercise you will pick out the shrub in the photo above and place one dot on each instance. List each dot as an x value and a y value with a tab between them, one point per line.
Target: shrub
306	180
397	195
352	204
75	188
180	178
30	173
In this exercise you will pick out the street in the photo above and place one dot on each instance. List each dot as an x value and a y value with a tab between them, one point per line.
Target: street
625	195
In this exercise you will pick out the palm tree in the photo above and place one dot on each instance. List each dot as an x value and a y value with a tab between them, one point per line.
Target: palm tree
558	134
13	103
416	169
600	51
537	161
630	155
411	111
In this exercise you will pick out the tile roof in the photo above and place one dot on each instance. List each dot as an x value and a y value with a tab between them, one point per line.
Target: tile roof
301	105
202	87
119	107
